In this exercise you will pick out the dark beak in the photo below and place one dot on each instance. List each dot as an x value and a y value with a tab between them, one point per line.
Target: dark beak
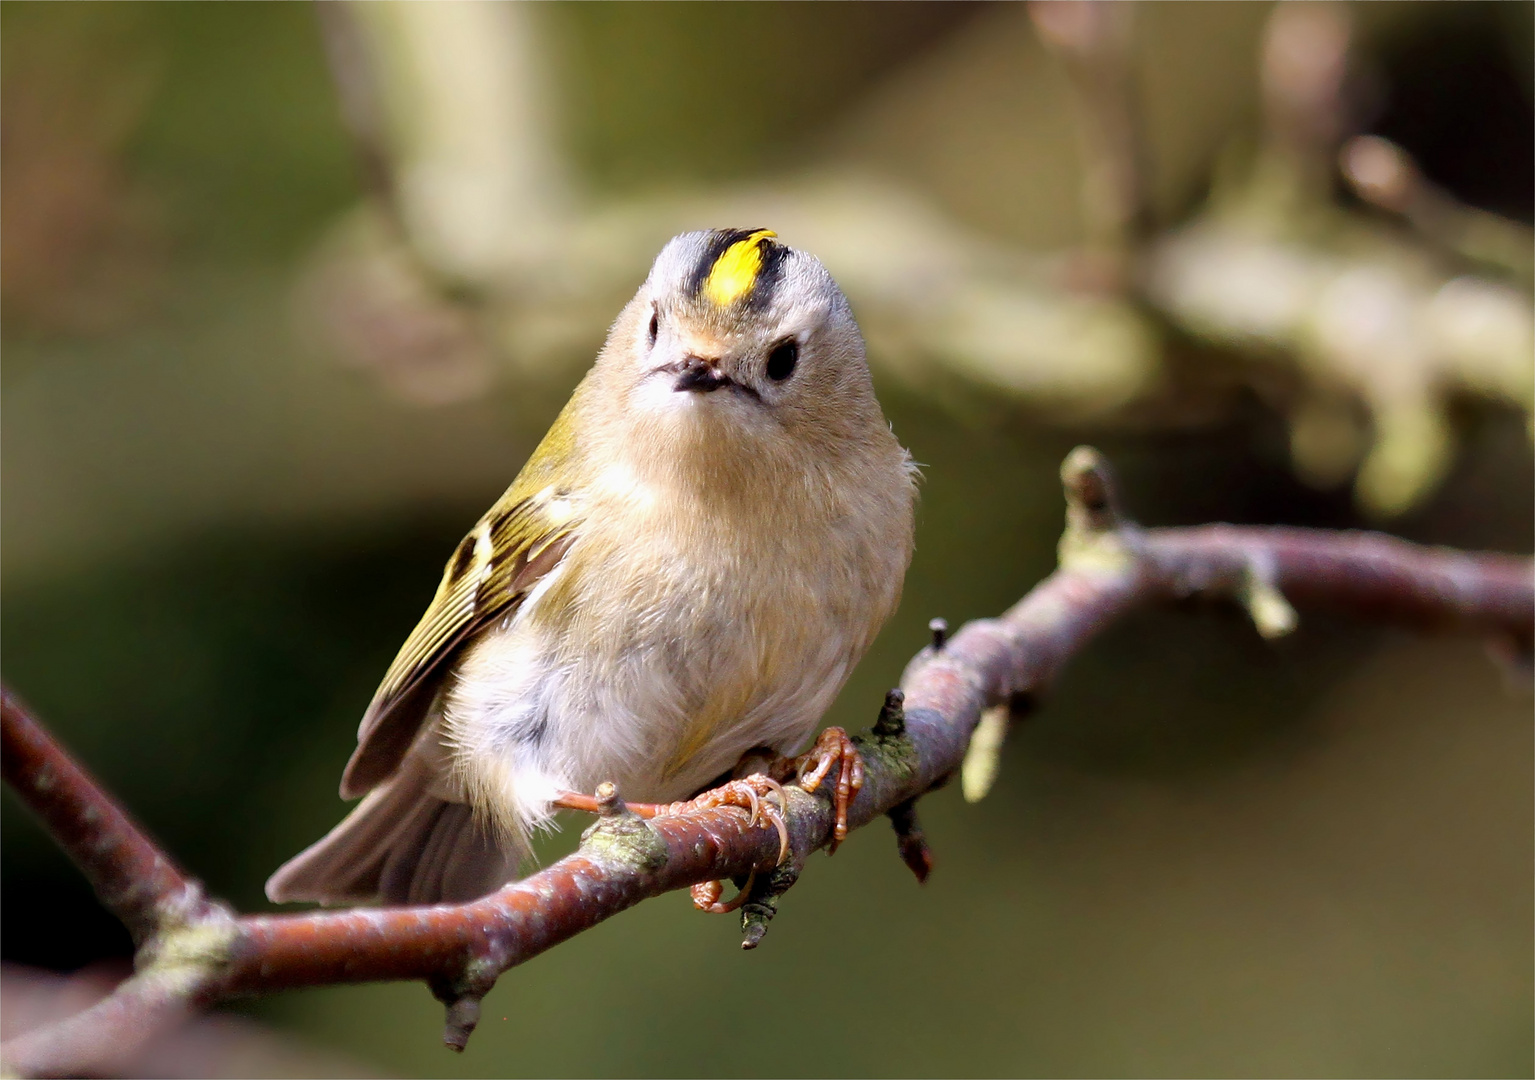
700	376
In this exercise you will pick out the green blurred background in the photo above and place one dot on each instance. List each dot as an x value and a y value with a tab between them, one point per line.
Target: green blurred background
1206	855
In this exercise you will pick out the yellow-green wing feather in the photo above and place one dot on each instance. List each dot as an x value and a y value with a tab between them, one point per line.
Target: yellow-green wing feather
492	570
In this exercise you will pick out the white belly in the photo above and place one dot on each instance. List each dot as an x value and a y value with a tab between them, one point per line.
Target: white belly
675	691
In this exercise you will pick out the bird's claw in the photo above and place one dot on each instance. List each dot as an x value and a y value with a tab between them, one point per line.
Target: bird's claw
761	797
833	747
706	896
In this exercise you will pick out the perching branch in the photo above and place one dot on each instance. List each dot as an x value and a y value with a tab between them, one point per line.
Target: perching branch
194	953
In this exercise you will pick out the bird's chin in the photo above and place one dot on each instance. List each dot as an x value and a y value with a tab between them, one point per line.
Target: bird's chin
661	393
708	418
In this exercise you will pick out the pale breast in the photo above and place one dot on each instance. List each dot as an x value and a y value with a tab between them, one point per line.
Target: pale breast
695	648
656	656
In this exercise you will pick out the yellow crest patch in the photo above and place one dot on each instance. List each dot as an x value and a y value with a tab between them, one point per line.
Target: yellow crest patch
735	272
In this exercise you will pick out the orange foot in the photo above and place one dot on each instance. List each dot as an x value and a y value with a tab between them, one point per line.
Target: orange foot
833	747
760	796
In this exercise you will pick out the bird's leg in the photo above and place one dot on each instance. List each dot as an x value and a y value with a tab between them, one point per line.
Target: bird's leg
832	747
758	770
590	804
758	794
587	804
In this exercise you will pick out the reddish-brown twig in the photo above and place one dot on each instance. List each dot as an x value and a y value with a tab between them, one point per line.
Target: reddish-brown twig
133	878
1109	567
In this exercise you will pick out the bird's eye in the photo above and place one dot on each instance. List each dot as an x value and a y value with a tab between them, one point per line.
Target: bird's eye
655	327
781	361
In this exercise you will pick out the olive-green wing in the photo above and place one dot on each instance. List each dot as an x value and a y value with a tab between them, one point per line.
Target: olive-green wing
492	570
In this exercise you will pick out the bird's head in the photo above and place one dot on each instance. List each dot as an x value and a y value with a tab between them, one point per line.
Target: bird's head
742	342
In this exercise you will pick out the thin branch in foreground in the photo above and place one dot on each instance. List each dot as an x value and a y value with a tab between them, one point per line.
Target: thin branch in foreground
196	953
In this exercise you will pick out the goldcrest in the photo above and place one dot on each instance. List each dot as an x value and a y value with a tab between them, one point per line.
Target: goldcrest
687	569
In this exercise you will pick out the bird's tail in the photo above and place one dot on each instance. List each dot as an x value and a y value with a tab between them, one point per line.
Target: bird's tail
403	844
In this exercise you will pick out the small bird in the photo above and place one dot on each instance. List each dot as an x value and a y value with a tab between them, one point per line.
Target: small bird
678	582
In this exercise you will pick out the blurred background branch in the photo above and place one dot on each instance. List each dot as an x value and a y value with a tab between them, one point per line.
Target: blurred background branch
1378	326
